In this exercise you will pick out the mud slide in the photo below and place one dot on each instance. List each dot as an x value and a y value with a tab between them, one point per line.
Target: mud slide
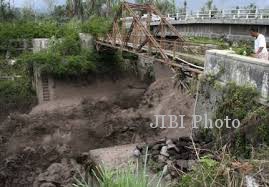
48	146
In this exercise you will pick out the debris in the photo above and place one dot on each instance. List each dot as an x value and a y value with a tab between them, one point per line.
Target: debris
164	151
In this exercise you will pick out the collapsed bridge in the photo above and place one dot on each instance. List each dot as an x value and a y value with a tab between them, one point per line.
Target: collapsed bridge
138	37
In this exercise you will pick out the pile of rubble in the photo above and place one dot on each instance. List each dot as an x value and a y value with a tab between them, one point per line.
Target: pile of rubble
171	156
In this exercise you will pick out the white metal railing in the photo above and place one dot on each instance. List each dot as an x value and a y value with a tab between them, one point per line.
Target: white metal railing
223	14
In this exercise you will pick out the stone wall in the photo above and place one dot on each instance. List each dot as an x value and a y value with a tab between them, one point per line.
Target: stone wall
225	67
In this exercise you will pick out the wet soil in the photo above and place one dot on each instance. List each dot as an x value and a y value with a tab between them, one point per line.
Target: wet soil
46	147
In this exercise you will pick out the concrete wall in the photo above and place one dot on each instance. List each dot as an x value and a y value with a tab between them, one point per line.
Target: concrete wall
216	30
86	40
229	67
40	44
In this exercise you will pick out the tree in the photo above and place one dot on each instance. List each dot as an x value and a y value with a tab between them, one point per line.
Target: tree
6	12
100	7
50	4
208	6
165	6
28	12
185	7
59	12
75	8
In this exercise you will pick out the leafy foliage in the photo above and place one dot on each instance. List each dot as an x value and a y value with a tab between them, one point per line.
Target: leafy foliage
238	101
65	57
15	95
97	26
243	48
241	102
133	175
209	172
59	65
29	30
205	40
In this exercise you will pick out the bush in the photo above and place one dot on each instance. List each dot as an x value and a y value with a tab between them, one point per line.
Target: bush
131	176
29	30
97	26
16	96
237	102
209	172
241	102
59	65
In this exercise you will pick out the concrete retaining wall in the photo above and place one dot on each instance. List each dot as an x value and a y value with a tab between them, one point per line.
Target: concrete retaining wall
229	67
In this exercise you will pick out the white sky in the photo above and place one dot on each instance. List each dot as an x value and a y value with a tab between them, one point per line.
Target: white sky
192	4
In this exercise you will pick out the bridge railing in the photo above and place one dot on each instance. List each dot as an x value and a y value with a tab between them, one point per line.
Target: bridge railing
223	14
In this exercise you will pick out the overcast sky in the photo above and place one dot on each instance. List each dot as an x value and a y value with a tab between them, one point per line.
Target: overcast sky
192	4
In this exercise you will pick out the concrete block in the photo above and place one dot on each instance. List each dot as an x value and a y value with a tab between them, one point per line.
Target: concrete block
113	157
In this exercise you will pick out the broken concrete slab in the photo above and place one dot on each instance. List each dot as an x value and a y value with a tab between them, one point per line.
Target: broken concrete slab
113	157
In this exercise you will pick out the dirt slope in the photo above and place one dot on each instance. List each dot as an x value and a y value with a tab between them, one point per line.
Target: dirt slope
46	147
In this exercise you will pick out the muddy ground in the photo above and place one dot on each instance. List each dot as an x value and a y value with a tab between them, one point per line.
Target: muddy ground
48	146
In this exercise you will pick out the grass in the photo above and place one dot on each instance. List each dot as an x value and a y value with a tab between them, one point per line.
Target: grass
205	40
131	176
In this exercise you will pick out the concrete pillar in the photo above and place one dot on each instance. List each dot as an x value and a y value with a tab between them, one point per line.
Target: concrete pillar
86	40
40	44
238	13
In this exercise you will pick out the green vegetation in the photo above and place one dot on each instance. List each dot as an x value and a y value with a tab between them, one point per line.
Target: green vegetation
239	102
206	40
209	172
29	30
97	26
241	48
134	175
66	58
17	94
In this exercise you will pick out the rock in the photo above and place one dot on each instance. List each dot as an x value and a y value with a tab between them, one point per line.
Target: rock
173	174
172	152
47	184
168	177
162	159
251	181
164	151
169	141
157	147
155	152
185	164
171	145
60	173
136	152
165	170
